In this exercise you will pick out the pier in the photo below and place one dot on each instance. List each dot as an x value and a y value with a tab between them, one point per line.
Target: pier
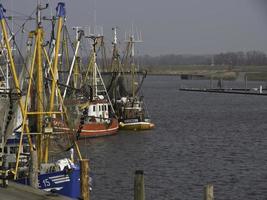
16	191
228	91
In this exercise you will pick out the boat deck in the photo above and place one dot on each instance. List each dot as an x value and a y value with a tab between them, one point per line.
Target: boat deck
16	191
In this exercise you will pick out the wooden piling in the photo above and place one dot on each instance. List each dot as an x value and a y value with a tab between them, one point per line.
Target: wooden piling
208	192
4	181
139	186
84	176
34	170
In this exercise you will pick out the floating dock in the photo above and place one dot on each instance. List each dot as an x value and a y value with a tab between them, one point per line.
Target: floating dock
228	91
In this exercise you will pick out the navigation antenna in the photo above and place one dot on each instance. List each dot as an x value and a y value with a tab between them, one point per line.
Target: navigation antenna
38	12
132	38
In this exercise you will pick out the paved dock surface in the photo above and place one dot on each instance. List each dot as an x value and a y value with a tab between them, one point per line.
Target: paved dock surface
16	191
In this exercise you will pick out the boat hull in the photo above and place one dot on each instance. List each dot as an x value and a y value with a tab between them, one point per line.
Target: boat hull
136	126
65	182
97	129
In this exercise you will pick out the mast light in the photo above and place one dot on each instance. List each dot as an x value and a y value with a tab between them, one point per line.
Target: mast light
61	12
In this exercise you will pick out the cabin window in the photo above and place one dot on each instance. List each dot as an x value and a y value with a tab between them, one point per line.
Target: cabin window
99	108
94	108
103	107
13	150
5	150
1	150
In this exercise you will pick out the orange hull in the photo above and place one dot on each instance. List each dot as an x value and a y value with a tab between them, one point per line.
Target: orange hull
60	126
96	129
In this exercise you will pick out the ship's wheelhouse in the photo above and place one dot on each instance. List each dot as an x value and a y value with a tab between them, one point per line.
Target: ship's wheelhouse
98	111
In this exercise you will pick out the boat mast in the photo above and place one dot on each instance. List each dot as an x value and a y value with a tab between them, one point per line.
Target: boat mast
115	55
130	52
79	33
132	64
115	42
94	69
76	66
39	73
61	15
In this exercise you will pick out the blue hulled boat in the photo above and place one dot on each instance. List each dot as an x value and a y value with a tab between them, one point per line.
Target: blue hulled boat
65	182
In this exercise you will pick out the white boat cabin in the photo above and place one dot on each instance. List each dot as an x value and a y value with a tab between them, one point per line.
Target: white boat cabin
98	111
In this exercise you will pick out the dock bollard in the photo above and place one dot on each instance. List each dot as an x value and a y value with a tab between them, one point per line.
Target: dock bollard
139	186
84	177
208	192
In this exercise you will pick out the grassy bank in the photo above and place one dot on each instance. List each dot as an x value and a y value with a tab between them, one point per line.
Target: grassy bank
216	72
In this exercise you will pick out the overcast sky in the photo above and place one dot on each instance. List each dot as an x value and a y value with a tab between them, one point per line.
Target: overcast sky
171	26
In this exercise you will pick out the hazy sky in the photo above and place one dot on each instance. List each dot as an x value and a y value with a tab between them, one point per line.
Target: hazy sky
172	26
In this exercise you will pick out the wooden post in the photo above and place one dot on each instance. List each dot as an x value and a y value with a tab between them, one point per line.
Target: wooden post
4	172
84	176
139	186
208	192
34	170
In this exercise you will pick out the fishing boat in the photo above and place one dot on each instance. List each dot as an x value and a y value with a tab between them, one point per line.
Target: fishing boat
132	114
87	98
36	135
98	115
126	89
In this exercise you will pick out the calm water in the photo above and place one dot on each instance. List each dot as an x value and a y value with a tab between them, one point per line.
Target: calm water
199	138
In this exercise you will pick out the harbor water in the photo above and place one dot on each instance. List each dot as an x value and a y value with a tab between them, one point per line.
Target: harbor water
199	138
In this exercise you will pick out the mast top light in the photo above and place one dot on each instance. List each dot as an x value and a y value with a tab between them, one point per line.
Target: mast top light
61	12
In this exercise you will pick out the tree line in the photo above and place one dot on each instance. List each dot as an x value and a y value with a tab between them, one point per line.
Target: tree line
240	58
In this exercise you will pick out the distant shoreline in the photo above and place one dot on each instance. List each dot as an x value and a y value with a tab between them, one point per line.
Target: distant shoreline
211	72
